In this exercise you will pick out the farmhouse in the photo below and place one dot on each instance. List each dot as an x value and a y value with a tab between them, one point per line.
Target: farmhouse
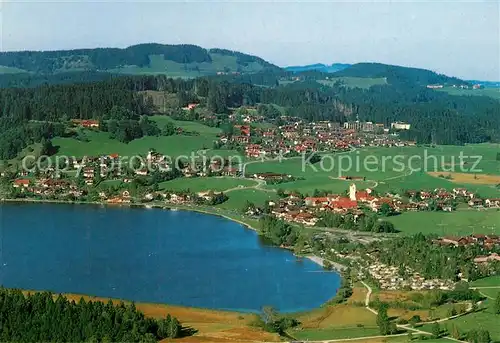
271	176
475	239
21	183
306	219
190	107
86	123
316	201
475	203
492	203
487	258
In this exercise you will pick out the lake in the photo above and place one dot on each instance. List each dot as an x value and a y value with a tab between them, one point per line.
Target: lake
154	255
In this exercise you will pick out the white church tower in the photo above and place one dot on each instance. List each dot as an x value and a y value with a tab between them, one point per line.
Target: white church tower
352	192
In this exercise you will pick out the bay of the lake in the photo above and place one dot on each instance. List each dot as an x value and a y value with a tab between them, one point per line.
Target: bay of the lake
153	255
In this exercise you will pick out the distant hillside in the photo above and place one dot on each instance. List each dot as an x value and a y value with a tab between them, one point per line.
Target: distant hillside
486	84
398	75
318	67
172	60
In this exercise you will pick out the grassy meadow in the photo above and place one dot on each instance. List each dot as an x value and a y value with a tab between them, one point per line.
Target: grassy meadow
461	222
238	198
158	65
491	92
189	126
483	319
392	169
355	82
491	281
99	143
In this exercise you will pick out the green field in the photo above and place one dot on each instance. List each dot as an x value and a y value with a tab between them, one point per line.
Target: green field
335	333
11	70
189	126
487	282
483	319
490	293
308	186
355	82
491	92
237	199
198	184
387	174
100	144
462	222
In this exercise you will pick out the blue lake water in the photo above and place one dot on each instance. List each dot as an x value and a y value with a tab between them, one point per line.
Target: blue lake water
153	255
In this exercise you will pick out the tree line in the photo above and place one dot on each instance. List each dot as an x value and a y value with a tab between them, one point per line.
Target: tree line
39	318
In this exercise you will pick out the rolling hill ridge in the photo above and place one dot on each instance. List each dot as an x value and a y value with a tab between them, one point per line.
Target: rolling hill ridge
319	67
151	58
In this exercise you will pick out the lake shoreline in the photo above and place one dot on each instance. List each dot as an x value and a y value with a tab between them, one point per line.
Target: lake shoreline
133	205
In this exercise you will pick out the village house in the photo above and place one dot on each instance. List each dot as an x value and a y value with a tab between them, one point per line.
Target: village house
271	176
487	258
208	195
463	192
86	123
343	205
253	150
305	219
190	107
456	241
492	203
141	172
230	171
477	203
241	139
316	201
88	172
178	198
485	240
243	130
21	183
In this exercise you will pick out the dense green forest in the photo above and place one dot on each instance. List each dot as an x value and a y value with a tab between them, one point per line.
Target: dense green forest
27	80
436	117
40	318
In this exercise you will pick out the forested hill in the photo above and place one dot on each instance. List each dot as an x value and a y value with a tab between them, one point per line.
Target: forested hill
397	75
173	60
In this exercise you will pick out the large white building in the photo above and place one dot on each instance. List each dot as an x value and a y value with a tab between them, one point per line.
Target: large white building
400	126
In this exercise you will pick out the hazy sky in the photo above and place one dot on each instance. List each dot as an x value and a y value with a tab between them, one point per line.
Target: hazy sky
452	37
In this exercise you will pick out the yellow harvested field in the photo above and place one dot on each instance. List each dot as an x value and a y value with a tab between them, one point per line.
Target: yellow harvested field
358	295
389	296
478	179
337	316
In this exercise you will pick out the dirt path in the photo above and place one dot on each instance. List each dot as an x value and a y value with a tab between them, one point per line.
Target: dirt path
407	326
259	186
